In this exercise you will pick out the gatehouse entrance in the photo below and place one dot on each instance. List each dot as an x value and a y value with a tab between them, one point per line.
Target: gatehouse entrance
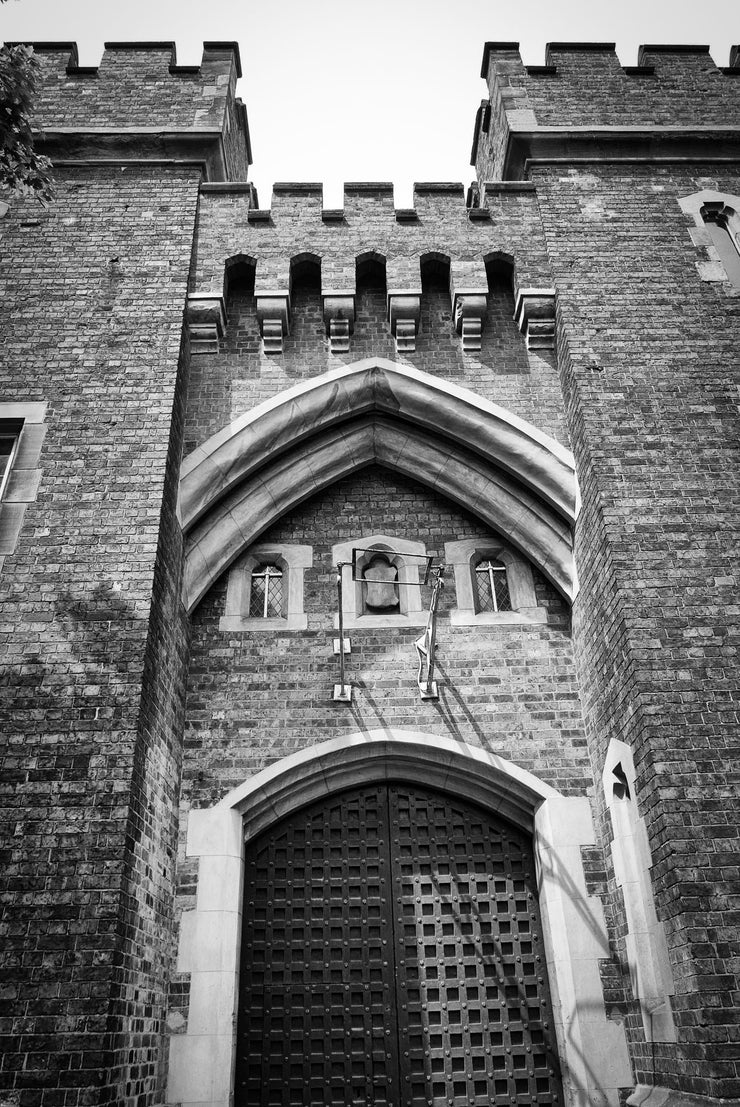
392	957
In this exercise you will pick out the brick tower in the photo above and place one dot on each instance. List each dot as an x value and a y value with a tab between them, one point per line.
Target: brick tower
367	586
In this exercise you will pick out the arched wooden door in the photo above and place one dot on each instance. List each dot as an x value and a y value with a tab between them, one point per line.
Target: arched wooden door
392	957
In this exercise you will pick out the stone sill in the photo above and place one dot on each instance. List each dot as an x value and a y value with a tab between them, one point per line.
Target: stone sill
237	622
372	622
463	617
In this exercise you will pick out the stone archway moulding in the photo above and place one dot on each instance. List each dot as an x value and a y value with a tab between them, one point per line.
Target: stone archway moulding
593	1050
237	521
489	461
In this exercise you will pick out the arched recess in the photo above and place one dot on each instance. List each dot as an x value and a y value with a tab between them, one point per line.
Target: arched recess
370	265
515	478
593	1050
238	267
306	267
500	264
435	265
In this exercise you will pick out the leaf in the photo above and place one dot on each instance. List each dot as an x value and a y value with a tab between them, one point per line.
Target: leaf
22	170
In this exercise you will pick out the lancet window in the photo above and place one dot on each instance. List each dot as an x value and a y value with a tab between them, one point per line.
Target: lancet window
492	586
266	595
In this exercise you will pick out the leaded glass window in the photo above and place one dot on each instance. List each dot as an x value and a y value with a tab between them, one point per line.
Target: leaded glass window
266	594
7	450
492	586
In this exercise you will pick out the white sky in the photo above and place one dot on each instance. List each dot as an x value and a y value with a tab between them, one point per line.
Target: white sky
367	89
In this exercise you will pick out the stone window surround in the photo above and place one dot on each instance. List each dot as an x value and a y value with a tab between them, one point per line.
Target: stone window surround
293	560
409	593
698	205
723	226
649	963
592	1048
462	557
8	434
28	421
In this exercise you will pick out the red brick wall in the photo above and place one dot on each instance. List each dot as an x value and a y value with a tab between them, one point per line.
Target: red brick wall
226	384
93	642
648	359
589	88
255	697
93	292
649	372
133	87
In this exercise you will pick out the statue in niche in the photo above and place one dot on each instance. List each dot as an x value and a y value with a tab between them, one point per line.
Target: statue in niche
381	584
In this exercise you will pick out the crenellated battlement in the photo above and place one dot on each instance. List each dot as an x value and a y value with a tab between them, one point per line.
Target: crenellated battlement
362	200
138	104
583	97
440	230
581	57
361	551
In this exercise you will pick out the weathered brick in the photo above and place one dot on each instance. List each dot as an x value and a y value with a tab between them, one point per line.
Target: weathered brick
121	713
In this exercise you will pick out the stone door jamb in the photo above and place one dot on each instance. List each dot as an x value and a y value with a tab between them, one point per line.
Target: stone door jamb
593	1049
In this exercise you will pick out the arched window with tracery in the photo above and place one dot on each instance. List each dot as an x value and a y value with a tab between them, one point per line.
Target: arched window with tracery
266	595
492	586
265	589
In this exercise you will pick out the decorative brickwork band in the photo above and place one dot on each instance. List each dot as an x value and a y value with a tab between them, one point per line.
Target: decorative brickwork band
404	311
339	319
273	313
469	309
205	316
535	317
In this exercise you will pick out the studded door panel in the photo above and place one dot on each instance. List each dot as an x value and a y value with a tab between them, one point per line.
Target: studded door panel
391	957
475	1026
317	1019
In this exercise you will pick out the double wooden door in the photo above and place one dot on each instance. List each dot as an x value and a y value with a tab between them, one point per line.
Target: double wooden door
392	957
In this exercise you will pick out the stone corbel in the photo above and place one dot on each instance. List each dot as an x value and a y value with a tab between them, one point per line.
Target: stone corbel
404	312
339	319
273	314
535	317
205	317
469	306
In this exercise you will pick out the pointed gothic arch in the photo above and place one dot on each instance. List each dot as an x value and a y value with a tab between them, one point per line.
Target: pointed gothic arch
518	480
591	1047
